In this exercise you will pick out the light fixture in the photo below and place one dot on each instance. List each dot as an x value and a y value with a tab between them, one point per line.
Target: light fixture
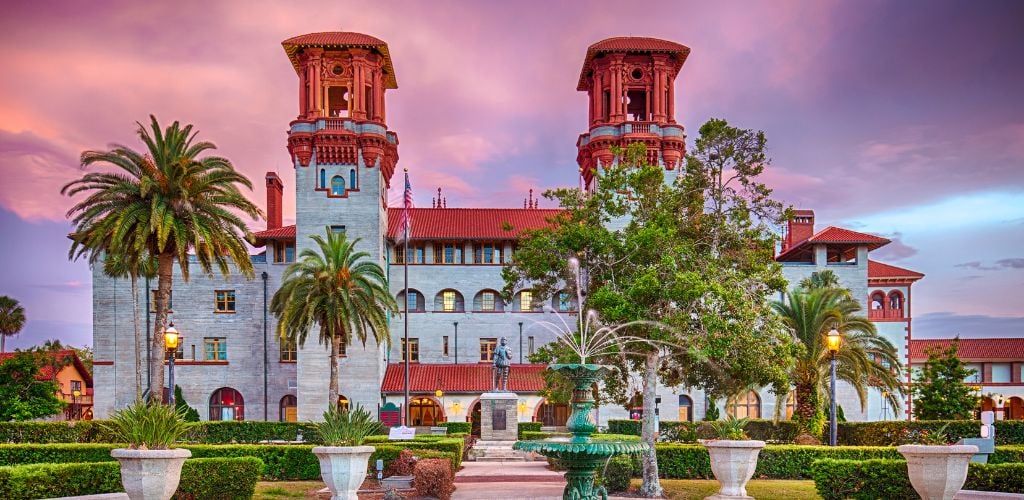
439	393
834	339
522	406
171	336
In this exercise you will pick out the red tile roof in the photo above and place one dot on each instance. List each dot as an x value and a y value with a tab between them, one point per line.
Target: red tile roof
470	223
629	44
427	378
832	235
281	233
878	270
46	373
1006	349
341	39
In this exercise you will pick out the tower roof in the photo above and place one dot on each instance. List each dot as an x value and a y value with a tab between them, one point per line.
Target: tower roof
341	40
635	44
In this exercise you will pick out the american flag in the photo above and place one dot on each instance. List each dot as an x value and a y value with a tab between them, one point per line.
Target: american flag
406	219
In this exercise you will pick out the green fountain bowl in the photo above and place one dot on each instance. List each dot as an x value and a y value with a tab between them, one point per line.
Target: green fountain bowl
568	449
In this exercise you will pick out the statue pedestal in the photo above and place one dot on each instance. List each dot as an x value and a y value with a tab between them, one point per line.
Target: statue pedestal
499	428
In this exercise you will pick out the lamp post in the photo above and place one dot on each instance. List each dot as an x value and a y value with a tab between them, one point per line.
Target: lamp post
456	325
834	339
439	394
520	342
74	404
171	339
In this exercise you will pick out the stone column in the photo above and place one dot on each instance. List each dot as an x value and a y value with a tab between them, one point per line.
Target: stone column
498	416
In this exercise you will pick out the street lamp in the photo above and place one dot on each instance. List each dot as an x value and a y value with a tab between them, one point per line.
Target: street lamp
74	403
171	341
833	340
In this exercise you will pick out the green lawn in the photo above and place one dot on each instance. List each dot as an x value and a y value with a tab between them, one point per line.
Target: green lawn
761	489
282	490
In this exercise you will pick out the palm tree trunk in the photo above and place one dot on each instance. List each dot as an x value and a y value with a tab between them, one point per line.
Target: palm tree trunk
651	486
3	342
332	393
138	336
165	267
806	404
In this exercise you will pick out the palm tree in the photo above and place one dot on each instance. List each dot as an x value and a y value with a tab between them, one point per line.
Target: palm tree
338	289
118	266
165	203
12	319
864	360
820	279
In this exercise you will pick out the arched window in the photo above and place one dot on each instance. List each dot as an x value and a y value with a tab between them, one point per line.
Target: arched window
425	412
337	185
744	406
896	301
553	414
352	179
449	300
227	404
488	301
288	409
343	404
685	408
323	178
415	301
877	301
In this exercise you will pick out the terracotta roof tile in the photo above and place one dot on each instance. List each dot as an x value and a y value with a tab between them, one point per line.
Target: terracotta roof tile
880	270
427	378
341	39
629	44
281	233
1010	349
835	236
470	223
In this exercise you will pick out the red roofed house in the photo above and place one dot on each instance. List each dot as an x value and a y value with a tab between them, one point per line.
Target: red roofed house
998	363
73	380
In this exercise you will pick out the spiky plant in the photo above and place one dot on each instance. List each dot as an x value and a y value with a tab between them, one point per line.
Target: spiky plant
347	427
146	425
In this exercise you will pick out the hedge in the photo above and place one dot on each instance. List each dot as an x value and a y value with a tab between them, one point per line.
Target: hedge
280	462
528	427
871	479
93	431
783	431
457	427
691	461
200	478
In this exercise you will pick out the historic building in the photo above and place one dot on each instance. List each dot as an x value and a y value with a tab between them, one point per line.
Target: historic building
344	157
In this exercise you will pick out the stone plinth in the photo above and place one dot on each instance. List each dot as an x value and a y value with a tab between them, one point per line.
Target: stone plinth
498	416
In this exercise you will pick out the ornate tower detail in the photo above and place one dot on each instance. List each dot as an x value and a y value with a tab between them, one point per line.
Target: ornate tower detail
630	83
341	120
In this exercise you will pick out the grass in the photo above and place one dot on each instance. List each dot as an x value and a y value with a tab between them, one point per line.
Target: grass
762	489
277	490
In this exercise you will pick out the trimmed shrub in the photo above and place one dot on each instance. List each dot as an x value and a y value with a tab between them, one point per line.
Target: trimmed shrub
458	427
92	431
434	478
897	432
678	432
401	466
782	431
528	427
617	473
688	461
624	427
200	478
870	479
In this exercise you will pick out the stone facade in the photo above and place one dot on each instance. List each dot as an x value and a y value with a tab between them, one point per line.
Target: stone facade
498	420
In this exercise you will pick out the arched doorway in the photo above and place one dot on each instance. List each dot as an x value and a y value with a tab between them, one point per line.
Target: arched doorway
425	412
685	408
287	410
474	419
227	404
552	414
1014	408
343	402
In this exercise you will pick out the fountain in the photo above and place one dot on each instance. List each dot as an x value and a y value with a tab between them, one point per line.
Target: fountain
580	455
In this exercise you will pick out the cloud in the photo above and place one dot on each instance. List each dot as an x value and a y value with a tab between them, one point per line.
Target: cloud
897	249
34	170
1010	263
948	324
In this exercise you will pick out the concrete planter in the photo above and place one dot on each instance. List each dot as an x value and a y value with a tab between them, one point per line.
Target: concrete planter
150	474
733	463
937	472
343	469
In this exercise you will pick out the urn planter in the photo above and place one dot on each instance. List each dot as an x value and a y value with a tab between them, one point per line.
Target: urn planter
343	469
937	472
733	463
150	474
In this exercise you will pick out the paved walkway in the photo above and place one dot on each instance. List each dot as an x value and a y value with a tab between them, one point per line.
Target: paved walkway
508	481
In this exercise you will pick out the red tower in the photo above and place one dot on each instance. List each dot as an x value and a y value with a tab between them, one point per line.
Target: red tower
630	82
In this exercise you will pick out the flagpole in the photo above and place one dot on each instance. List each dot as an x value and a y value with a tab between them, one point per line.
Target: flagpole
405	324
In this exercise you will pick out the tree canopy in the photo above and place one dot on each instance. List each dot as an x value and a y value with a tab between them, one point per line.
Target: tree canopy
940	392
24	395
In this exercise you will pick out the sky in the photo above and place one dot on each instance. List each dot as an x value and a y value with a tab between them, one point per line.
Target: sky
902	118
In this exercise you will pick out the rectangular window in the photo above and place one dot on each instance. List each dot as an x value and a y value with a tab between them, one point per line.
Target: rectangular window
413	301
487	347
448	299
288	351
487	253
399	255
444	346
215	349
284	251
526	300
152	301
487	301
338	229
530	345
1001	373
452	253
412	350
416	254
224	301
76	385
564	302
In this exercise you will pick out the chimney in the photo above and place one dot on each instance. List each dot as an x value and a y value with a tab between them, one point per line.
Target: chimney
800	228
275	192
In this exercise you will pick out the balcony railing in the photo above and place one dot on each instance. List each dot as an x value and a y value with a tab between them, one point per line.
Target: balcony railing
885	314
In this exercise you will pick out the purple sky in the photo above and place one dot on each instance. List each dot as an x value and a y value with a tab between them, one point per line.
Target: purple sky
904	119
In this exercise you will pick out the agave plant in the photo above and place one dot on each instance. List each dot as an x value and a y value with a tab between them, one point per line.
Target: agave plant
147	426
731	429
347	427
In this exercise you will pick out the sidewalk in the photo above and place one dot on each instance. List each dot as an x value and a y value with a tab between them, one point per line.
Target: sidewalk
508	481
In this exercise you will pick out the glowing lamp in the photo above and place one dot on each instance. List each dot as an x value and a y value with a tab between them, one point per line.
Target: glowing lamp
76	393
171	336
833	339
439	393
522	407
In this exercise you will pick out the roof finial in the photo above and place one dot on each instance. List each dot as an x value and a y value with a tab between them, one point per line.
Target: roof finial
445	202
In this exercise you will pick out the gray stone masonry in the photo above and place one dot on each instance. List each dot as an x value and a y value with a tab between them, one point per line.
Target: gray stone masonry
496	403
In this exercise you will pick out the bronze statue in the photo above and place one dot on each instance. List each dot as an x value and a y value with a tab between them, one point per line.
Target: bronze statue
502	365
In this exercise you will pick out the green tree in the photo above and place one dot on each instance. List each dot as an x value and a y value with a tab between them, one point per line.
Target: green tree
939	389
820	279
865	359
24	395
339	289
189	413
691	255
167	203
12	319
